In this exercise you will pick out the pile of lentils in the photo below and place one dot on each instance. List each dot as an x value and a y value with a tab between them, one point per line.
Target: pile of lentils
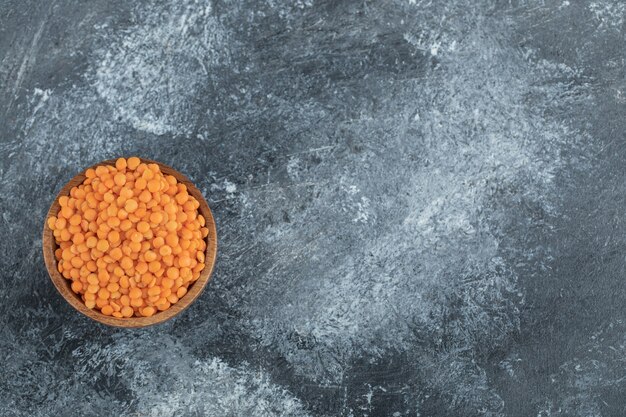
130	239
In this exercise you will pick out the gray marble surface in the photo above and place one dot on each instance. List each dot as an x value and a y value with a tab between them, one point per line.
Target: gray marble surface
420	204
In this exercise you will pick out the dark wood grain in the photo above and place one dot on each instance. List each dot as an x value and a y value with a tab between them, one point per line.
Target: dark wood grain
63	285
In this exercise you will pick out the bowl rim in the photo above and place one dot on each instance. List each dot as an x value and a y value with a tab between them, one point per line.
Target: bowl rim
62	284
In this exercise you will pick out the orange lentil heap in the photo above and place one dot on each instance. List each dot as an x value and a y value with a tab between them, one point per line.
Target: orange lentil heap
130	239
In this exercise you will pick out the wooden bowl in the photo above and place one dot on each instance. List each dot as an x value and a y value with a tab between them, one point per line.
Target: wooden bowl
63	285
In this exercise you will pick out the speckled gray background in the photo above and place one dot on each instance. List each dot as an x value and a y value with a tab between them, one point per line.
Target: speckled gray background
420	204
